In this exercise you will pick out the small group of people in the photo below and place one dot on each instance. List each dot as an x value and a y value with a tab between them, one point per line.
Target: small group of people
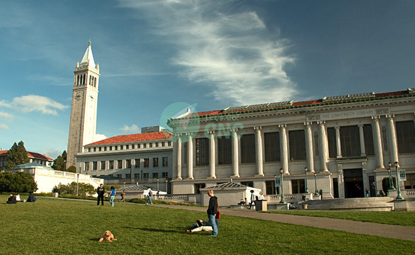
101	193
13	199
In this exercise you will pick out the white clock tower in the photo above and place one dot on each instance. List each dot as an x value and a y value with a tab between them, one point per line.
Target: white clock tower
82	126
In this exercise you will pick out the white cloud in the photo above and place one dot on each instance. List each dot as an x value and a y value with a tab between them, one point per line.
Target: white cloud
99	137
5	115
233	53
51	153
133	129
34	103
4	126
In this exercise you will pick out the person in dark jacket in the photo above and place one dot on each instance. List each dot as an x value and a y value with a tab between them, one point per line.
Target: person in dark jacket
101	192
11	200
31	198
211	212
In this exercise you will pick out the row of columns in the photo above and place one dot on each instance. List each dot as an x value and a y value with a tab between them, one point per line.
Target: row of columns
284	148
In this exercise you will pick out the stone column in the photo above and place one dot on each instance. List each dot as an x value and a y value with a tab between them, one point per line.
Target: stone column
377	142
338	143
212	157
179	158
284	148
362	141
190	156
392	136
309	147
258	147
235	153
324	147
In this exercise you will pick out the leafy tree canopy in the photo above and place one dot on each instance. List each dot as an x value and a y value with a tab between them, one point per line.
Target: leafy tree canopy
60	162
19	182
17	155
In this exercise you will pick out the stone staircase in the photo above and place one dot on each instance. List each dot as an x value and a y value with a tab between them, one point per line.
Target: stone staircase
369	204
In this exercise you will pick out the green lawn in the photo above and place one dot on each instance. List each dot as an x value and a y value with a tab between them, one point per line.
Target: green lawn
52	226
389	218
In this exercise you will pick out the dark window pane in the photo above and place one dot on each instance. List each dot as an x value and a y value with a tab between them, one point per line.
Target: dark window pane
405	132
202	151
224	150
350	141
367	132
297	145
331	136
248	149
272	147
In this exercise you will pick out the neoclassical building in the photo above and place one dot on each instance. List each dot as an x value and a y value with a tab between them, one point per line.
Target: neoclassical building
145	158
340	145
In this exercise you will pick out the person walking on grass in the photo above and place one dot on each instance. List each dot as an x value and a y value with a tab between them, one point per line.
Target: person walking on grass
112	195
211	212
149	195
101	192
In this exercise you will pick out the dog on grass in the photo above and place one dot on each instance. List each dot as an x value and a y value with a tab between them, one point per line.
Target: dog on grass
107	236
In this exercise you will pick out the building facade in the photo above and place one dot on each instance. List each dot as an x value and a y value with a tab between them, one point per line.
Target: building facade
337	146
139	158
34	157
82	125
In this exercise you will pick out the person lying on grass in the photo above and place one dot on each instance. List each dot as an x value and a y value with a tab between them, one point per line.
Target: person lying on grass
107	236
201	225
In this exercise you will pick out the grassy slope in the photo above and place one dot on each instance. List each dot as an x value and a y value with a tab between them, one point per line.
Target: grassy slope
51	226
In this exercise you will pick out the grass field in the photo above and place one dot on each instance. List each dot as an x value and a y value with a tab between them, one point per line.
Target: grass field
54	226
389	218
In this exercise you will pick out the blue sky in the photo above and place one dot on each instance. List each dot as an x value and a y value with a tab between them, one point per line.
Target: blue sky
213	54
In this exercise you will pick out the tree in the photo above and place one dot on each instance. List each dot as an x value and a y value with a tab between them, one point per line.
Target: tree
71	169
19	182
84	189
17	155
60	162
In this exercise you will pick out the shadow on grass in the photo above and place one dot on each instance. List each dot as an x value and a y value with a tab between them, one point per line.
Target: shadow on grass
157	230
94	239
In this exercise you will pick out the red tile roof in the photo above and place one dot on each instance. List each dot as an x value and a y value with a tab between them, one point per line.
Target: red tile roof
30	155
134	138
311	103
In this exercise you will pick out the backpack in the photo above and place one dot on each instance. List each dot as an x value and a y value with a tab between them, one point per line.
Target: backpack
150	193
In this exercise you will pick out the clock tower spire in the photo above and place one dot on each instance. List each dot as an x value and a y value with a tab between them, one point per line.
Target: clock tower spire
82	125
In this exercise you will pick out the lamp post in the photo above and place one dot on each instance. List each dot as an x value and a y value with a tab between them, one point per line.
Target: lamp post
275	184
282	189
399	197
306	186
315	184
391	187
166	185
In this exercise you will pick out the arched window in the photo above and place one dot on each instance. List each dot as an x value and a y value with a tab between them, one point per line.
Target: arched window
77	80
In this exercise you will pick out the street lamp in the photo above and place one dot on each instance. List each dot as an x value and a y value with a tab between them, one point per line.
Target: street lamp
282	189
306	186
315	184
399	197
391	187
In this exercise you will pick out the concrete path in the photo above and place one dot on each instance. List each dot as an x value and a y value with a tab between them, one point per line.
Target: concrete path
374	229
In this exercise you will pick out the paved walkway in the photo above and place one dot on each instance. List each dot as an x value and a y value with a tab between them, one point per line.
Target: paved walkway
374	229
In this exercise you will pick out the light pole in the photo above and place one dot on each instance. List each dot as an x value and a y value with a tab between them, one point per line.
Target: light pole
306	186
77	184
391	187
166	185
399	197
315	184
275	184
282	189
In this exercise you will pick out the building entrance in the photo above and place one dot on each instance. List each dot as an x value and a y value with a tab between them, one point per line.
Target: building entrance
353	183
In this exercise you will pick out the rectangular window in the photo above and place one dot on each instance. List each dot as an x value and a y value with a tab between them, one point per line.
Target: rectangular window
224	150
335	188
298	186
111	164
350	141
105	148
272	147
86	166
405	135
145	175
202	151
136	176
102	165
169	143
248	154
137	163
110	148
128	163
115	147
132	146
368	137
127	147
165	161
199	186
121	147
297	145
146	162
95	149
150	145
331	137
94	165
155	162
128	176
119	175
410	181
119	164
270	187
144	145
165	174
99	148
155	175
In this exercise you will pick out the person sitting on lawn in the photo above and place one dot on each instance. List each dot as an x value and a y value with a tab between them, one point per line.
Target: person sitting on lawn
31	198
201	225
11	200
18	198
